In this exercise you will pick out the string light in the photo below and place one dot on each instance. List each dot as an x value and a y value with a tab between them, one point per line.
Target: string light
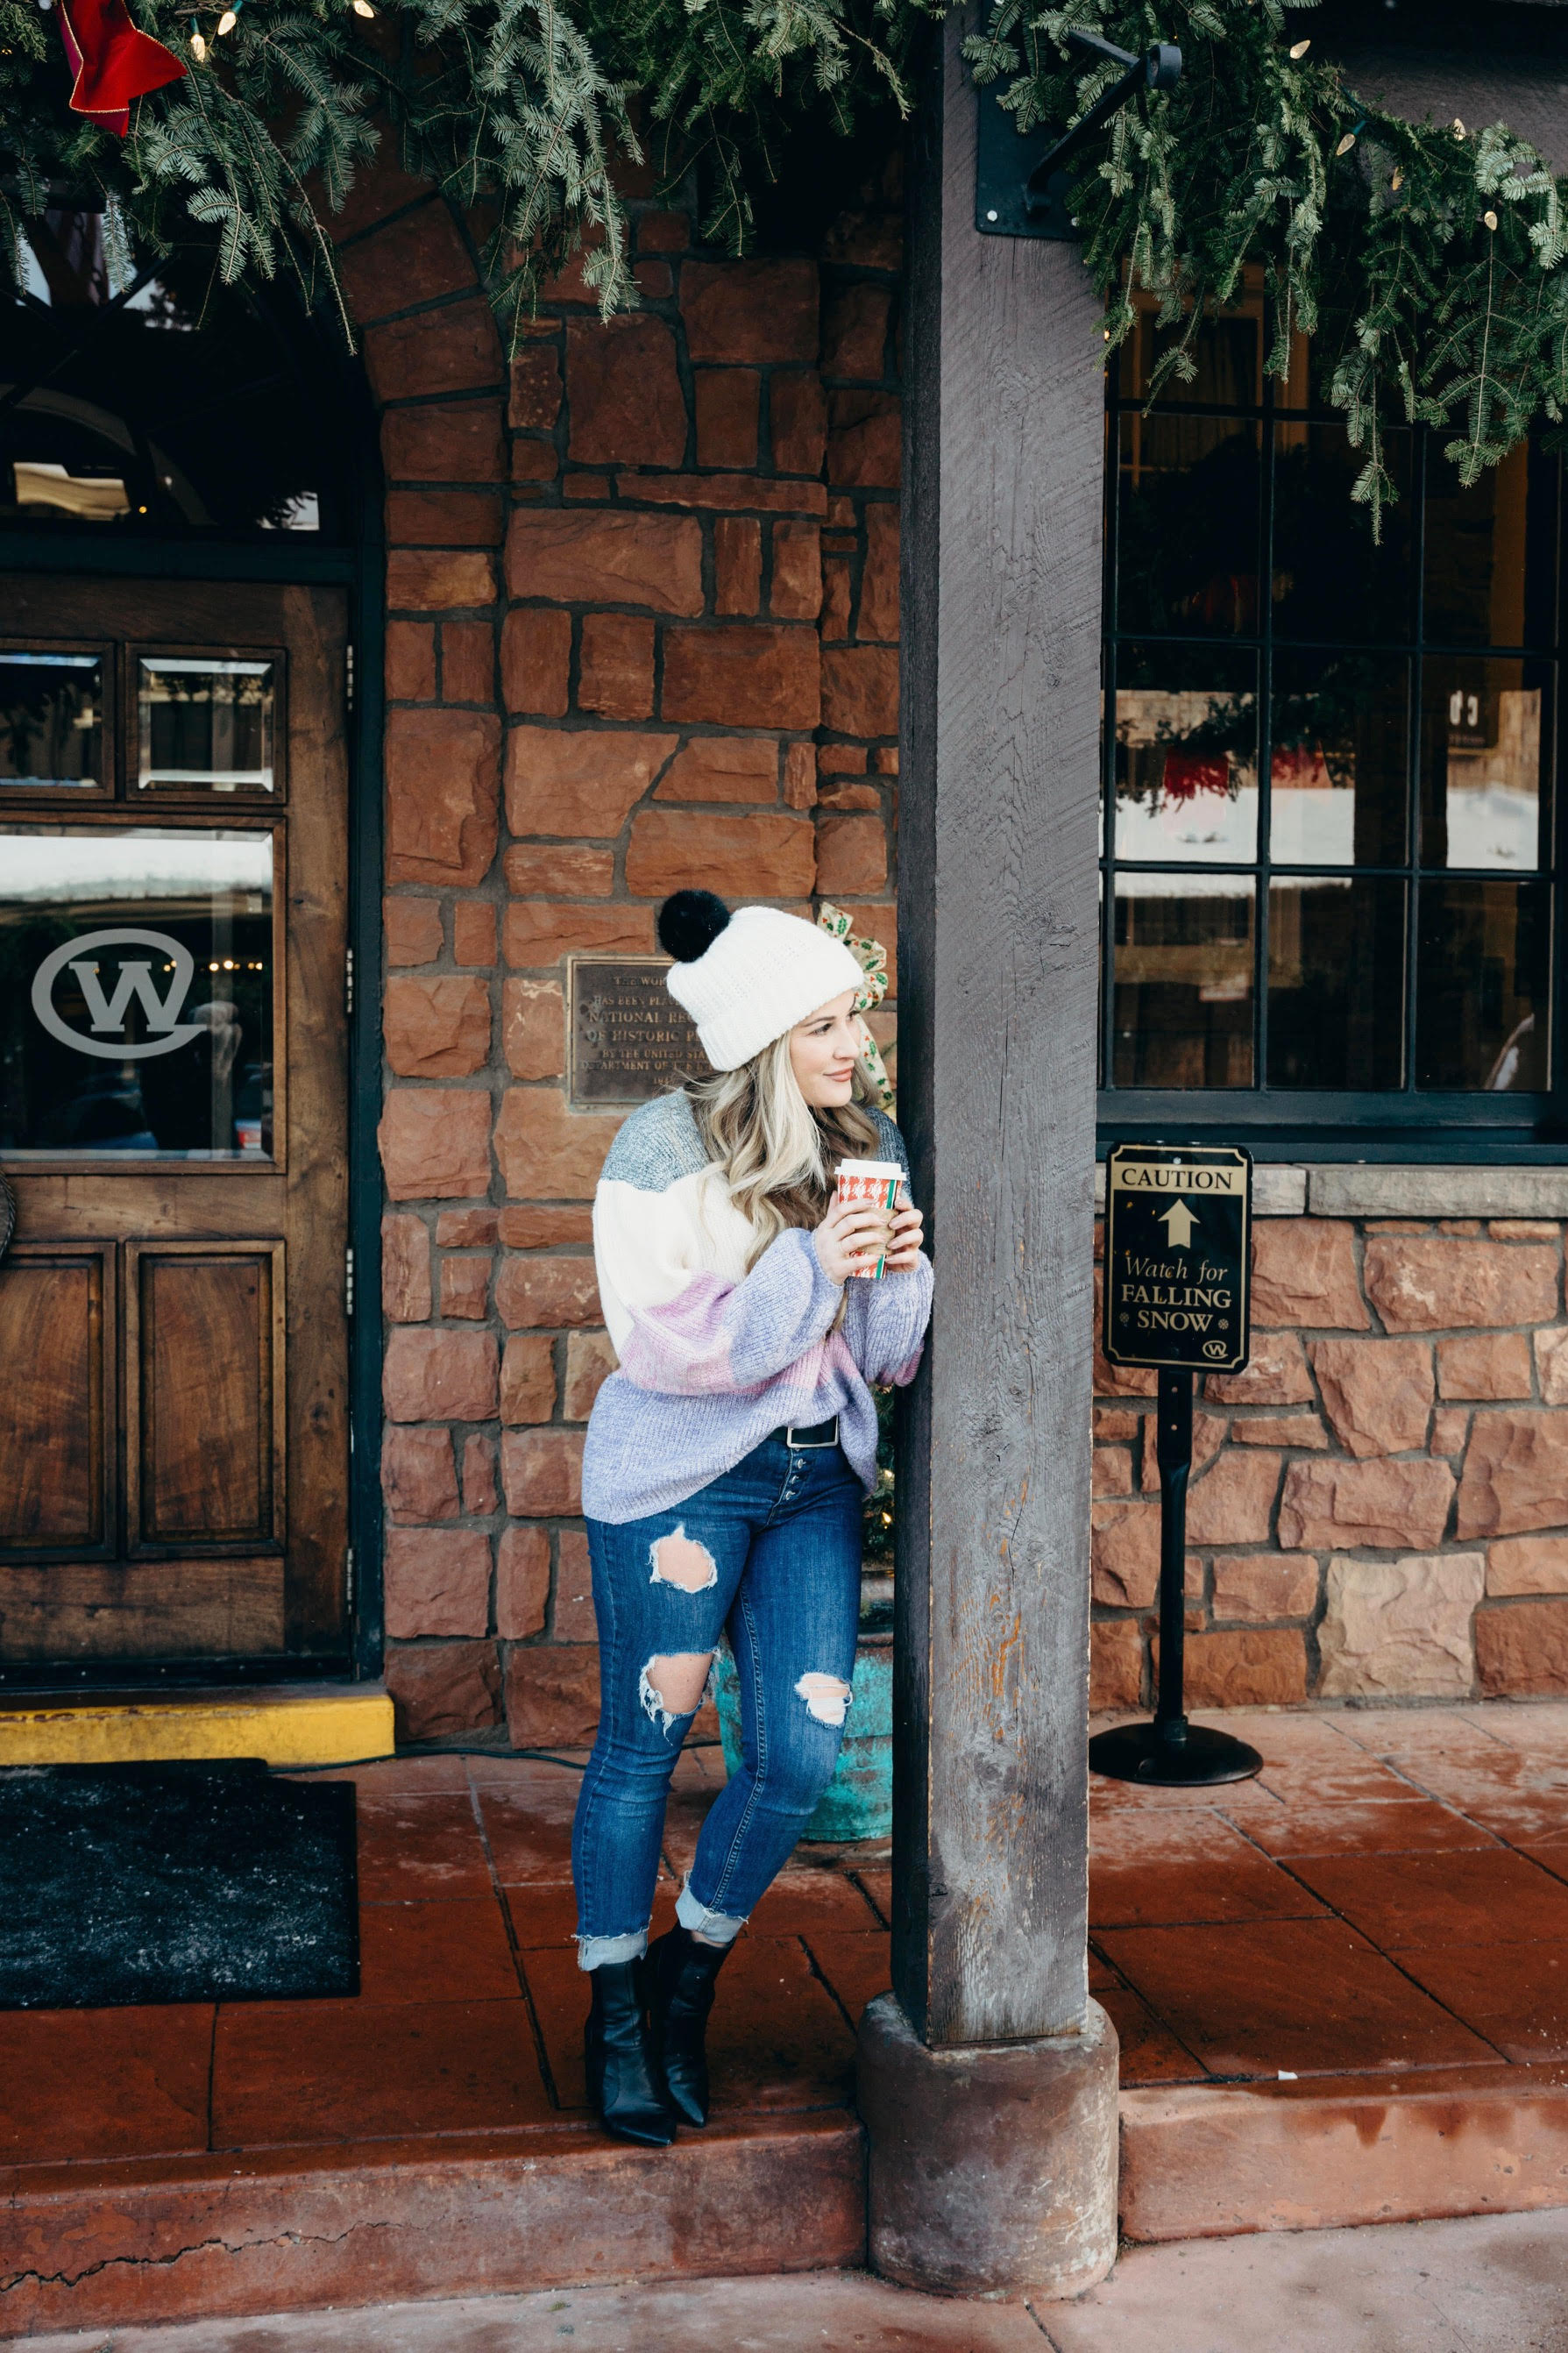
1300	48
227	21
198	47
362	8
1490	220
1346	143
1459	128
1398	180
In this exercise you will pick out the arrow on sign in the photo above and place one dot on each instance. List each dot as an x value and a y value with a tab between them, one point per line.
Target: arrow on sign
1178	1222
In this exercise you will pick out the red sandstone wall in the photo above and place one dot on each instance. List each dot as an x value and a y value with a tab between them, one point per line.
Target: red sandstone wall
643	613
1380	1504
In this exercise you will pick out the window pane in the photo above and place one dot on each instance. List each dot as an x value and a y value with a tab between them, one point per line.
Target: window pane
135	993
204	723
1188	554
1186	754
1330	579
51	719
1482	960
1339	764
1336	981
1226	355
1492	552
1184	980
1485	736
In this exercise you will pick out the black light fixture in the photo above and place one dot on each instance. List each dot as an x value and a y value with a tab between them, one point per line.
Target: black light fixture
1021	179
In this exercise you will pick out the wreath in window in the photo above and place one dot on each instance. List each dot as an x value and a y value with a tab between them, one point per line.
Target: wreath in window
1427	259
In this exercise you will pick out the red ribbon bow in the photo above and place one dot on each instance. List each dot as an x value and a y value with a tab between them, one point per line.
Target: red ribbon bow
113	63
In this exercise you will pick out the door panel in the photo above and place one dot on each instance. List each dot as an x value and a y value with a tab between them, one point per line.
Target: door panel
56	1403
173	808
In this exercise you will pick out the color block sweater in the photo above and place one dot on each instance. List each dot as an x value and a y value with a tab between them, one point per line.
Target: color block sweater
712	1358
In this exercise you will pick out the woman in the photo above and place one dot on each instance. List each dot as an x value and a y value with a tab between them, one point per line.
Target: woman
725	1465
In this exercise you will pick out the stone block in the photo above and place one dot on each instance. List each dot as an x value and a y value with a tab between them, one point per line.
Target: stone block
437	1582
481	1457
723	768
1551	1364
533	401
726	415
1393	1505
465	1290
429	1375
528	1379
1528	1565
1115	1665
1524	1230
442	770
574	1618
1445	1282
1304	1275
625	396
436	1143
573	781
1521	1649
548	1153
764	674
1112	1470
1299	1429
559	869
1254	1666
437	579
1260	1588
542	931
523	1583
453	349
1516	1474
443	442
615	671
437	1029
795	592
536	660
797	413
851	855
760	311
611	555
737	565
833	621
533	1028
800	777
553	1695
413	259
466	1228
530	1227
768	855
590	1361
861	690
468	662
854	332
864	437
1401	1628
474	933
1450	1431
409	666
442	1690
1276	1375
1233	1502
878	613
404	1269
1125	1554
1485	1365
534	462
663	233
467	518
553	1293
1208	1437
1376	1393
541	1472
418	1474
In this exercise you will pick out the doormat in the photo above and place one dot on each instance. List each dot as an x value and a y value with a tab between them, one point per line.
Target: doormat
194	1882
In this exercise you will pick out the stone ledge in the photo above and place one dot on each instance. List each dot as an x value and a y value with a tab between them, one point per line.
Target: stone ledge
1369	1189
1277	1190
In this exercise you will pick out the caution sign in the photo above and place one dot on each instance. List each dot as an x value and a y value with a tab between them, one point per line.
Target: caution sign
1178	1255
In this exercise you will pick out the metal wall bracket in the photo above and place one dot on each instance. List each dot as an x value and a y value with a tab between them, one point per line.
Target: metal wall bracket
1021	178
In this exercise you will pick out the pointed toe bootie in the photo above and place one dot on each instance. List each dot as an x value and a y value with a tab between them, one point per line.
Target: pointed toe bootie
681	1977
625	2083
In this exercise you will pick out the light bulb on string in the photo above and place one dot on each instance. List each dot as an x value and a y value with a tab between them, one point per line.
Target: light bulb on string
1490	220
199	46
227	21
1299	49
1398	180
362	8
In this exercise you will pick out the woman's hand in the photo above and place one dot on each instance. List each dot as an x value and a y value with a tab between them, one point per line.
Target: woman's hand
909	1231
849	1237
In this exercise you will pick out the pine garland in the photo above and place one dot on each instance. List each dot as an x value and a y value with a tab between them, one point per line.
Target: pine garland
1425	259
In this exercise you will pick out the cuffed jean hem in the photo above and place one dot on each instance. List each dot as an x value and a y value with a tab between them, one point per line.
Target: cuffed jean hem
597	1952
719	1927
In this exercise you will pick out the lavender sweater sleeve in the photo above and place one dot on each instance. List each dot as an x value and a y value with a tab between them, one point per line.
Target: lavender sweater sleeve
717	1334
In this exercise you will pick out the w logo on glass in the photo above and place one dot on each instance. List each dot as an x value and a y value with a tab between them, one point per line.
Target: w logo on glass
107	1011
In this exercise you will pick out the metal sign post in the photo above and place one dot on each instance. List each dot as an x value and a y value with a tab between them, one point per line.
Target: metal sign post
1178	1253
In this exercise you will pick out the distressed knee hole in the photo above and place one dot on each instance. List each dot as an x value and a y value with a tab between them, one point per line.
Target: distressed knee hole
673	1686
825	1697
679	1560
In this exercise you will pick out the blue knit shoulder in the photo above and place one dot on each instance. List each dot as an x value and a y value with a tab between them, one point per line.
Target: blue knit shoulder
656	1147
892	1142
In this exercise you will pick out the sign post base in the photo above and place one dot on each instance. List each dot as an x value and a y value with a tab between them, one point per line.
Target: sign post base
1145	1752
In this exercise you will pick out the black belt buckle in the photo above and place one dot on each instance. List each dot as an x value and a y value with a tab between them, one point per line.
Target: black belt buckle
803	1437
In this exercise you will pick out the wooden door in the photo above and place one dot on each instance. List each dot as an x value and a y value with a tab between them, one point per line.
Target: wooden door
174	863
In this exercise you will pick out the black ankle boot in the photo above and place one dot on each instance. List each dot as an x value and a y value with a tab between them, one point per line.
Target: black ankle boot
682	1975
625	2083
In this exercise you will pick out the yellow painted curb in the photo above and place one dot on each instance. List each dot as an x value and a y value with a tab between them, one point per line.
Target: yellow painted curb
286	1727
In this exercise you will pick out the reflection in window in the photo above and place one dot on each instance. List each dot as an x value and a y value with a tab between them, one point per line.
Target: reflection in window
1490	576
1336	981
1184	980
1187	555
1339	731
51	719
204	723
135	993
1481	768
1482	966
1329	577
1186	754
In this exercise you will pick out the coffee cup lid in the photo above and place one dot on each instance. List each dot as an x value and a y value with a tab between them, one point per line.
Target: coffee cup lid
870	1168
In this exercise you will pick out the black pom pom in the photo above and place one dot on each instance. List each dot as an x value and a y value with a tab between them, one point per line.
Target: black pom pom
689	922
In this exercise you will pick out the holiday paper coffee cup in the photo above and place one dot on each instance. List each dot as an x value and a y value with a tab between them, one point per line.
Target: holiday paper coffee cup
872	1181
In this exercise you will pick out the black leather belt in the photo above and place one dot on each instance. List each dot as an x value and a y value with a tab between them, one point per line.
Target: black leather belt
816	1433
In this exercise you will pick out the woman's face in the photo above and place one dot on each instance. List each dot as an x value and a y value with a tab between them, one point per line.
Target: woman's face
822	1049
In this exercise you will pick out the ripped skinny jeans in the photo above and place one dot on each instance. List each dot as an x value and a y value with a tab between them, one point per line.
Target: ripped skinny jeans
769	1554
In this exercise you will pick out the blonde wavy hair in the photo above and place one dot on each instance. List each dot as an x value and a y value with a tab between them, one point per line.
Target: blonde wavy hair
776	1153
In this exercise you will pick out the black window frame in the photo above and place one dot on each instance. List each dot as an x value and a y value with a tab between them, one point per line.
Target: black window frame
1324	1124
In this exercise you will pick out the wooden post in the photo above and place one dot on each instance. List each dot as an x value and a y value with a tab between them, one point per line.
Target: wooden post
989	2079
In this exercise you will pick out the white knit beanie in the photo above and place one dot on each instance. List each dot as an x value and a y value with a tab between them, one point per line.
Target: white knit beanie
746	979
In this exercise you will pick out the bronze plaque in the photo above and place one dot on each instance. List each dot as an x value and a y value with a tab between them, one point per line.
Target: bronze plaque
629	1038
